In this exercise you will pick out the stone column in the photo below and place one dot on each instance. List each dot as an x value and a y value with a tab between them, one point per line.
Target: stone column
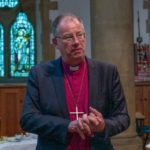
48	50
112	41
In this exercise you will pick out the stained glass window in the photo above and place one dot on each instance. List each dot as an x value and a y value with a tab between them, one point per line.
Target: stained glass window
9	3
22	46
1	51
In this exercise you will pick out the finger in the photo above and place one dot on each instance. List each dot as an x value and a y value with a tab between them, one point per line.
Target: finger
72	130
85	119
96	117
93	120
90	135
84	127
80	124
97	113
99	119
102	124
92	115
87	128
72	126
81	133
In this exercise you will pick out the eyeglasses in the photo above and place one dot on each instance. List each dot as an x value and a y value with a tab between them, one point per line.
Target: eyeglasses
69	38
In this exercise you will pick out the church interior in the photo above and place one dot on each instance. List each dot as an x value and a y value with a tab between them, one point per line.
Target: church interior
117	32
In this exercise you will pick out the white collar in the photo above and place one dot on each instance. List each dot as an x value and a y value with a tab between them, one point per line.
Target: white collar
74	68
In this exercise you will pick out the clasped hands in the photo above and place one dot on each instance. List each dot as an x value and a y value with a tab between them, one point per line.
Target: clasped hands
88	124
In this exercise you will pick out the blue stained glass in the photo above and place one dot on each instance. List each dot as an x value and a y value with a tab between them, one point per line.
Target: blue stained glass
22	46
1	51
9	3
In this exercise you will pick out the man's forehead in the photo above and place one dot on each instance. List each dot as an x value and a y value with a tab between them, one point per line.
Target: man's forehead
69	20
67	24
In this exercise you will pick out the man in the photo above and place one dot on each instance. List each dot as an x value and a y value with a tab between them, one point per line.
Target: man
74	102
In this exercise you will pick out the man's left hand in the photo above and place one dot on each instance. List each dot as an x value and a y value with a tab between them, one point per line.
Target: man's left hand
94	122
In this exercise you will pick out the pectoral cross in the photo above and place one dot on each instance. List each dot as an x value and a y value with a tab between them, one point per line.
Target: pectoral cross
76	113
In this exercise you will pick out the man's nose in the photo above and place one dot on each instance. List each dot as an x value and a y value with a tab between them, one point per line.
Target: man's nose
75	40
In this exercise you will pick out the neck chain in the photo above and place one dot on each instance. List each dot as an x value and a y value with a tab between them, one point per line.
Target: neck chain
76	102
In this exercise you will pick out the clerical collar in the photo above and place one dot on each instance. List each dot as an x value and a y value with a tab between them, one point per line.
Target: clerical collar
74	68
71	68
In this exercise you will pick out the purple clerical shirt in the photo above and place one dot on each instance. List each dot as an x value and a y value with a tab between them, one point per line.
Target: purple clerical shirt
74	78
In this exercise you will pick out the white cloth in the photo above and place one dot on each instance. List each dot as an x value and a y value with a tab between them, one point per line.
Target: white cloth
23	145
148	145
33	136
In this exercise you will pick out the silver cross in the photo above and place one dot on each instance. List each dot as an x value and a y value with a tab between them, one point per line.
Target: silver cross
76	113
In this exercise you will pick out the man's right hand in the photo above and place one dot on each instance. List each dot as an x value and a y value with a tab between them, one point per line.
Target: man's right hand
82	131
74	128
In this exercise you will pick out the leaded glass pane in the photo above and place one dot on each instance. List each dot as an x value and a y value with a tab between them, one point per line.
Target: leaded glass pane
1	51
9	3
22	46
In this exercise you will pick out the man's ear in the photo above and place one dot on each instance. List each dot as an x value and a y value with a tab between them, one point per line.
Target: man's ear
54	40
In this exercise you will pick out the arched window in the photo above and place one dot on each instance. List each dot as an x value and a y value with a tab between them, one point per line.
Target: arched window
17	40
8	3
22	46
1	51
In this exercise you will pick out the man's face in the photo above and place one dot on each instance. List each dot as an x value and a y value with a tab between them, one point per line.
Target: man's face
71	41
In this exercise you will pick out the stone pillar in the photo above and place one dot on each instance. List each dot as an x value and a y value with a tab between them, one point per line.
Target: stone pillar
112	41
48	50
